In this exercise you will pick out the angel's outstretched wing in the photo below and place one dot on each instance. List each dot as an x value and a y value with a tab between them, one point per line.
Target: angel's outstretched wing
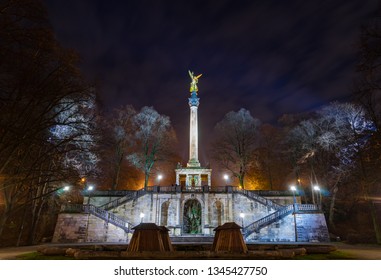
198	76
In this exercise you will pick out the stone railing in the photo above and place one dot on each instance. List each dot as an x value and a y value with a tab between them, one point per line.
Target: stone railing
96	193
130	195
98	212
221	189
269	219
272	193
308	207
277	215
260	199
117	202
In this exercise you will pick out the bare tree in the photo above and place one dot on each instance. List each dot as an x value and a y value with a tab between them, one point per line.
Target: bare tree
236	141
45	114
271	168
367	93
328	145
154	139
117	141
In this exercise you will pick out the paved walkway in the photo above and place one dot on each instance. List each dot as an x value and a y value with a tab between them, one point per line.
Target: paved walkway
10	253
360	252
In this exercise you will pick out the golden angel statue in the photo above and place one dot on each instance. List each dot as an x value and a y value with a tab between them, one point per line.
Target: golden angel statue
193	85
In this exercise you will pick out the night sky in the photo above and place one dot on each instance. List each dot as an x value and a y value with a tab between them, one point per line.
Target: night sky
270	57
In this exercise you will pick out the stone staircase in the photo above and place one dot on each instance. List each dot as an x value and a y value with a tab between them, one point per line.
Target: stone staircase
100	213
282	212
117	202
267	220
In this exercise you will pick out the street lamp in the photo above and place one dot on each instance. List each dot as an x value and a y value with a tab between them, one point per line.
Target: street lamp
66	188
226	178
317	189
293	189
90	188
141	217
242	215
159	177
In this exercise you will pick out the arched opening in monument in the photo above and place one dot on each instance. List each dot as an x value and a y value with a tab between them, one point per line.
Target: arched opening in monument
218	213
164	213
192	217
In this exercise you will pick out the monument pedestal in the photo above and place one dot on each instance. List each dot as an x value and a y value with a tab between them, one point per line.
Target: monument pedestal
193	177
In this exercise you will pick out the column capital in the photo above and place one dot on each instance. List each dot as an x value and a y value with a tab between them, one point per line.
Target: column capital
194	101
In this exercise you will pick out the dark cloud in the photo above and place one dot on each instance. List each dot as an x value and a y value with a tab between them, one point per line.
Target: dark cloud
271	57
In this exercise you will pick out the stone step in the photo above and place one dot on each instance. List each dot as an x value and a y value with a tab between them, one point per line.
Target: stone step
192	239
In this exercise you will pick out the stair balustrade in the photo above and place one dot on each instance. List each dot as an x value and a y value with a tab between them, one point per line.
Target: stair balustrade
278	215
117	202
100	213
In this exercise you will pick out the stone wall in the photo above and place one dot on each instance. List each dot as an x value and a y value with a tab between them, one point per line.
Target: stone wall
167	209
280	231
310	227
72	228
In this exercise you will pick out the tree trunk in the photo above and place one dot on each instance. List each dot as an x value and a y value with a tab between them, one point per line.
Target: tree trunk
374	216
36	221
4	218
375	222
241	180
332	207
333	202
21	229
146	177
118	165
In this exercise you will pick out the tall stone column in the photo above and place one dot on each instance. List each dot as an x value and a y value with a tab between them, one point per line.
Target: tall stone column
193	132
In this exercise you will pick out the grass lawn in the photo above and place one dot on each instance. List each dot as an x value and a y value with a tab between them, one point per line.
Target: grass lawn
39	256
335	255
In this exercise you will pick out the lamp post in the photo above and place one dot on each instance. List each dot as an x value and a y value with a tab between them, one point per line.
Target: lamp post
242	215
318	196
293	189
226	178
159	177
89	189
66	189
141	217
